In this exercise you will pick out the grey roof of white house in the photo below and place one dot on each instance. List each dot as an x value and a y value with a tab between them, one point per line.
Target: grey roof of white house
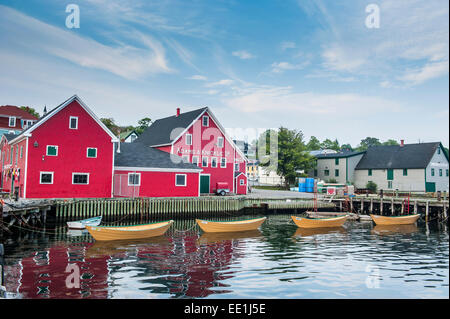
398	157
140	155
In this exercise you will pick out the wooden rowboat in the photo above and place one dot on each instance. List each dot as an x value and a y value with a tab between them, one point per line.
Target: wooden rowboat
80	224
395	220
129	232
305	222
220	227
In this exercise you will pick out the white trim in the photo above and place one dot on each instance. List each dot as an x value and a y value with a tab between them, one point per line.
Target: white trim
91	148
59	108
241	182
185	180
209	186
212	159
186	139
80	174
70	122
223	158
207	161
46	150
197	157
134	173
25	173
157	169
220	138
40	178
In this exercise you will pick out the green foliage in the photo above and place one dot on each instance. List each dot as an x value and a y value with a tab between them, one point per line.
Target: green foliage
30	110
368	142
313	144
111	125
345	147
332	145
372	187
391	142
142	125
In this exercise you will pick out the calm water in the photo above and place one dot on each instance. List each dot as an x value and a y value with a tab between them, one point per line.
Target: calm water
278	261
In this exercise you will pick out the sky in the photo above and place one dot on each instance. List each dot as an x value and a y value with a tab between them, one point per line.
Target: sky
326	68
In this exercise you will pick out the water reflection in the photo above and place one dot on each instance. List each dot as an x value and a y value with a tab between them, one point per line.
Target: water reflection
277	261
394	229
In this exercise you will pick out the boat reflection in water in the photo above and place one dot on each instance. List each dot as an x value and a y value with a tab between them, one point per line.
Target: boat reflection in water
394	229
305	232
209	238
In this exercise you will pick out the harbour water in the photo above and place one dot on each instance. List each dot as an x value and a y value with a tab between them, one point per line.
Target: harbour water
359	260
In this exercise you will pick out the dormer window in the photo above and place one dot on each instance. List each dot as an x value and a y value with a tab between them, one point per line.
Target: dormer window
205	120
12	121
73	123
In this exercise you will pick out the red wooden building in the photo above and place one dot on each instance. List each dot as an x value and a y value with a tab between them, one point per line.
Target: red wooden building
14	120
199	138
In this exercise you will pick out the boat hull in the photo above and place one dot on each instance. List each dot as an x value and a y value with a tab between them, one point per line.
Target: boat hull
104	233
398	220
303	222
81	224
221	227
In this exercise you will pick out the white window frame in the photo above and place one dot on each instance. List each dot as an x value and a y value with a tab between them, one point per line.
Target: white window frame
241	182
212	161
55	146
91	148
185	180
40	178
221	159
185	158
204	157
203	121
128	180
9	122
73	175
189	135
70	122
236	166
21	151
195	162
220	141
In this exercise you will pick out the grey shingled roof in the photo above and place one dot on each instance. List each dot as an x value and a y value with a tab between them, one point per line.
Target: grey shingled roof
338	155
398	157
164	131
140	155
9	137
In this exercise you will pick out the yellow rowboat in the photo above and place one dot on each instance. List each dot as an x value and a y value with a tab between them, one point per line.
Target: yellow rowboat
220	227
101	233
395	220
304	222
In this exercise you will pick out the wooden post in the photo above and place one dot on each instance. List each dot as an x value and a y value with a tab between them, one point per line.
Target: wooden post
392	207
381	204
362	206
415	207
403	208
371	206
427	210
340	206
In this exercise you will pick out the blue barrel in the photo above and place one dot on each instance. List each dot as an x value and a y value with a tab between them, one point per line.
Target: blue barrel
302	187
310	189
310	182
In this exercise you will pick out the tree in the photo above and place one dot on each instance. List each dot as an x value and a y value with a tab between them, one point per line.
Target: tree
313	144
290	156
111	125
390	142
372	187
332	145
143	124
368	142
30	110
345	147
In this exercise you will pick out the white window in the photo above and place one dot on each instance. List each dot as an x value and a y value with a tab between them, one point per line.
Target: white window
185	158
188	139
220	141
242	182
91	152
214	162
12	121
180	180
195	160
236	166
73	123
134	179
205	120
80	178
223	162
204	162
52	150
46	178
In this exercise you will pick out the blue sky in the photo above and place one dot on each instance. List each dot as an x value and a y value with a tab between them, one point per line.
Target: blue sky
307	65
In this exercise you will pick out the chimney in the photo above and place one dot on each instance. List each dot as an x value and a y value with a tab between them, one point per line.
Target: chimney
178	111
402	143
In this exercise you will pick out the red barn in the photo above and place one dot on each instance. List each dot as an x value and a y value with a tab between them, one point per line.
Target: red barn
200	139
68	153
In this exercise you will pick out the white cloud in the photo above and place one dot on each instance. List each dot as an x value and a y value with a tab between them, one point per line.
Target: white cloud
244	55
288	45
278	67
126	61
225	82
198	77
425	73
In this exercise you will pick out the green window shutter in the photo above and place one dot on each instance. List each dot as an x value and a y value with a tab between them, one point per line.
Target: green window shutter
336	161
432	172
315	173
336	172
327	172
405	172
370	172
390	174
440	172
446	172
